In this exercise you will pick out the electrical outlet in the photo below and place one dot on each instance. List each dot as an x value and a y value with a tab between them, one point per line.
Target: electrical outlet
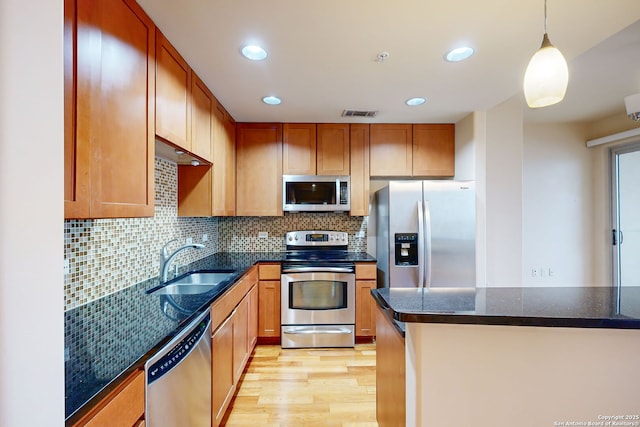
360	234
66	266
205	237
189	240
534	272
263	235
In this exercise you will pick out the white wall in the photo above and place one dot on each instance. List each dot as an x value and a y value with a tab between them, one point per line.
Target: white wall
470	150
503	184
559	225
31	214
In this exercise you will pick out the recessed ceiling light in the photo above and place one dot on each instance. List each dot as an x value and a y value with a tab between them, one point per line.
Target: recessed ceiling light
253	52
415	101
459	54
271	100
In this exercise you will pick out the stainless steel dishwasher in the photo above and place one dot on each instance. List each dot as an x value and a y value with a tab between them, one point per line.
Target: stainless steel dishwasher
178	379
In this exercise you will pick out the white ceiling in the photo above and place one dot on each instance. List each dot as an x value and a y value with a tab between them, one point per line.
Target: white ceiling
322	55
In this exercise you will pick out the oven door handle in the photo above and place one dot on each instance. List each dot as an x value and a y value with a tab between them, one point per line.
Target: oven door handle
318	270
312	331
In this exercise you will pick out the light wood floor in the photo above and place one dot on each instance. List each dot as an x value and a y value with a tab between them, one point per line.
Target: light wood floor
307	387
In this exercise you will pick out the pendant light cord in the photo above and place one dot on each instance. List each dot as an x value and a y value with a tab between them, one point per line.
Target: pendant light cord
545	16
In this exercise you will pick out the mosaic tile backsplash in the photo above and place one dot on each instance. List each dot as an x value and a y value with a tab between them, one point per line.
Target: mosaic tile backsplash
240	234
108	255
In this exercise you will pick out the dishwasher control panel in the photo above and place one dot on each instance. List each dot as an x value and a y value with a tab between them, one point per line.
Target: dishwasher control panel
178	352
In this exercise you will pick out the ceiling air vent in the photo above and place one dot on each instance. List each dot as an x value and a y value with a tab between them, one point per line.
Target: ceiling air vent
359	113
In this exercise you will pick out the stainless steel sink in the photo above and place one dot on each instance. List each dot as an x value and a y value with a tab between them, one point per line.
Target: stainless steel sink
194	283
185	289
203	278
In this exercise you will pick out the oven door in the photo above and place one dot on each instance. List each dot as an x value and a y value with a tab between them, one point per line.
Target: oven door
318	298
318	309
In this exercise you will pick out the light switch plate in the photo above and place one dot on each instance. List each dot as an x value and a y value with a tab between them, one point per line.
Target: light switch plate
189	240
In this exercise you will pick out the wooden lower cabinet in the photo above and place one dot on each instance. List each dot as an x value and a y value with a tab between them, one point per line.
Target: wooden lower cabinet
234	324
365	305
269	302
253	318
365	309
124	406
222	370
390	371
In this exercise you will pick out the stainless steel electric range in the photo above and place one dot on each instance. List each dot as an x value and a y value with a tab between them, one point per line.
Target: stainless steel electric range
318	291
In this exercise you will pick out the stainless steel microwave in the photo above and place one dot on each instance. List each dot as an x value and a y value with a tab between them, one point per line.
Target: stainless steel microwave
312	193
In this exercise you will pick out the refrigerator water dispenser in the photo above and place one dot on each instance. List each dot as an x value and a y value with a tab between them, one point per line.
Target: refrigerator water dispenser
406	249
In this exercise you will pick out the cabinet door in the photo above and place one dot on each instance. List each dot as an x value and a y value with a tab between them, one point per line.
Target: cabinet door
359	170
202	104
173	83
259	169
240	319
333	149
390	150
76	150
269	309
224	162
124	406
115	108
221	370
253	319
365	309
299	149
390	371
433	150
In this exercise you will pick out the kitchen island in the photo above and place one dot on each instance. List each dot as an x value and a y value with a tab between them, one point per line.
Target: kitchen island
515	356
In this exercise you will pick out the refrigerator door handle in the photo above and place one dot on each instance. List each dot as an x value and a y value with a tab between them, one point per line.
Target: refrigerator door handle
420	245
427	244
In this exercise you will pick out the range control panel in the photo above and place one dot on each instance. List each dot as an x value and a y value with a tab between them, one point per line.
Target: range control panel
316	238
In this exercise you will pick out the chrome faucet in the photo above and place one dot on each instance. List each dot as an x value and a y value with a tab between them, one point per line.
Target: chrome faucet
165	258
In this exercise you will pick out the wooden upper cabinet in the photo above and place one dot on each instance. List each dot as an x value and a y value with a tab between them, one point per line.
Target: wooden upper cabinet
359	159
209	190
391	149
115	80
299	149
433	150
224	163
333	149
202	106
173	84
259	169
76	151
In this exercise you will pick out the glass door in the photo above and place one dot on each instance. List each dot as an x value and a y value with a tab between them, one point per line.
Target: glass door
625	230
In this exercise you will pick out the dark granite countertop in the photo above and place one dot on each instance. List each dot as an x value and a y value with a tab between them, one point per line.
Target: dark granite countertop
108	338
574	307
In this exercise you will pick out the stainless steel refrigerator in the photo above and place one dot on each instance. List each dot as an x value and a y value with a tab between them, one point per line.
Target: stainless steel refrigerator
425	234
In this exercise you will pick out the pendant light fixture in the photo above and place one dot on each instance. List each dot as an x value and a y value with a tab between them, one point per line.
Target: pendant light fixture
547	75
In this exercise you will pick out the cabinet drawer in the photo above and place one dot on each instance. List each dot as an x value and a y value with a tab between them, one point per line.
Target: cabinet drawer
365	270
123	407
269	271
